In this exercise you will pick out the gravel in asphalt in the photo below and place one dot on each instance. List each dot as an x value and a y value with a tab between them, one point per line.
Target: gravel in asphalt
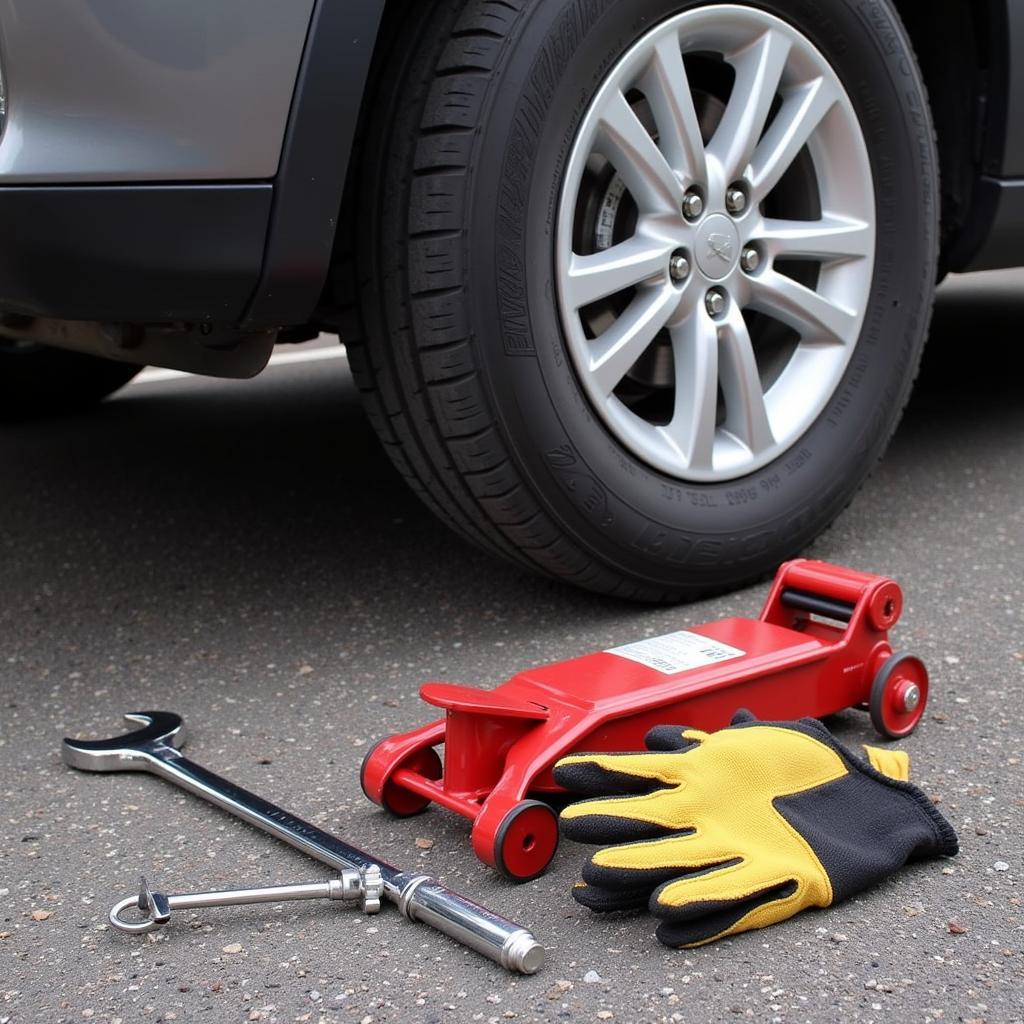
243	554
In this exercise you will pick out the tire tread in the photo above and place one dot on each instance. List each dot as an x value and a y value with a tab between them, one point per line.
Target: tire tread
425	395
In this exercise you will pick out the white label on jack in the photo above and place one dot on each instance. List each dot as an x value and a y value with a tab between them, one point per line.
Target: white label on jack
677	652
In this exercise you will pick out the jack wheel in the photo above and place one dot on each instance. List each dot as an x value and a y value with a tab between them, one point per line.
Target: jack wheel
898	695
395	799
526	841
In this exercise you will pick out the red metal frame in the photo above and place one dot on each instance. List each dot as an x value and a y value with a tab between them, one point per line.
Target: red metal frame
500	744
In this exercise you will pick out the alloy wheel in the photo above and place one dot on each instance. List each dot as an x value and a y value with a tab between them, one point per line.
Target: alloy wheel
715	242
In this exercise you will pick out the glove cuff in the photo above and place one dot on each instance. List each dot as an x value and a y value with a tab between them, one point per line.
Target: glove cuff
946	842
944	838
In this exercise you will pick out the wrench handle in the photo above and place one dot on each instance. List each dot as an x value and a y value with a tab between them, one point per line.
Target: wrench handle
170	764
418	897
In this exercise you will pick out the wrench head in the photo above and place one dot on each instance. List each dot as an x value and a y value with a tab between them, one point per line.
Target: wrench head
131	751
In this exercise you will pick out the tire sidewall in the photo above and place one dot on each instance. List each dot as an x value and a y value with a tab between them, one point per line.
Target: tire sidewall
640	520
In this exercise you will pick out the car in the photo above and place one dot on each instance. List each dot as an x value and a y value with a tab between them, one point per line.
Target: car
634	292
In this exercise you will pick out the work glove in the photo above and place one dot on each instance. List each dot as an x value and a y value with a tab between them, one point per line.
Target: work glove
720	833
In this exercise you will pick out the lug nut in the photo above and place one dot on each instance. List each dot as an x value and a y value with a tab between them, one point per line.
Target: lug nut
735	200
715	302
750	259
693	206
679	267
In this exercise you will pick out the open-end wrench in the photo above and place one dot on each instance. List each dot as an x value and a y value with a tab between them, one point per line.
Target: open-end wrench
153	748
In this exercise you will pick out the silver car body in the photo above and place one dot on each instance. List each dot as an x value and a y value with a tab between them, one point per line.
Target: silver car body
147	90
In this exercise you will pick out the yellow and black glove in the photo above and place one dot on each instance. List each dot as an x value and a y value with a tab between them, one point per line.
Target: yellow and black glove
723	832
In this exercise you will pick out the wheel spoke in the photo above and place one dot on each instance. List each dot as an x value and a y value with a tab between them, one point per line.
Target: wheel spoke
667	88
635	155
812	316
758	72
797	120
619	347
831	238
746	416
598	275
695	353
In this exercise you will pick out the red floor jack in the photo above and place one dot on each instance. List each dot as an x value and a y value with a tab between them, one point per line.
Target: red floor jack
500	744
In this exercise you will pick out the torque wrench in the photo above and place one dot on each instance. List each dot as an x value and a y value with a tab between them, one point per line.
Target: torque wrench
153	748
352	887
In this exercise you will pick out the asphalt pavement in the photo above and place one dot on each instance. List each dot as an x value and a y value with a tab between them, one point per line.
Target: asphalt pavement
242	553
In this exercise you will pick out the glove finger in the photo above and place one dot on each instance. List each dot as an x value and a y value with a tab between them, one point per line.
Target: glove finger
699	909
744	717
608	820
735	879
653	862
623	819
646	879
701	922
679	738
601	774
602	900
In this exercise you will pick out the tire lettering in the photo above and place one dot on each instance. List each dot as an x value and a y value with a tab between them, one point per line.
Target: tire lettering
704	552
744	496
795	464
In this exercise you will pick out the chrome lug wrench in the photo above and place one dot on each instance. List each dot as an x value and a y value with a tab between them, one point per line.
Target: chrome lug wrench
364	888
154	748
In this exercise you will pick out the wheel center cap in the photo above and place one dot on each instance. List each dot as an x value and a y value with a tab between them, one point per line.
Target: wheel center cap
717	247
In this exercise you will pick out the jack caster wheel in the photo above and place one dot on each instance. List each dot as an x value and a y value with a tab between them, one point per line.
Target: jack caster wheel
898	695
394	799
526	841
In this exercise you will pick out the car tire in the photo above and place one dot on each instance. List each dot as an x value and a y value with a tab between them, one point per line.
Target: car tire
37	380
468	354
